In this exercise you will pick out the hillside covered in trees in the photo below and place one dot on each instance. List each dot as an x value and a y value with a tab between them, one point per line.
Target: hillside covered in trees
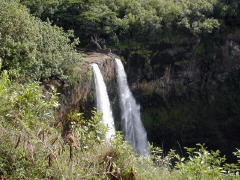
182	58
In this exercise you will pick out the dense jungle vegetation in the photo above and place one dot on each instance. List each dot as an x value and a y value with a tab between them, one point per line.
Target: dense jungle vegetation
182	57
136	22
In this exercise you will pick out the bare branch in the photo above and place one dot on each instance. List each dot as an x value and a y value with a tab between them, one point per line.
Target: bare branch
95	40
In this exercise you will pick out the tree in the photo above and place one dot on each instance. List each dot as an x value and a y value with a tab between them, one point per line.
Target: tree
36	49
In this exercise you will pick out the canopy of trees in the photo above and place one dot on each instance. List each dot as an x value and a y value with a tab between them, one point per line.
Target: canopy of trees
34	144
34	48
116	21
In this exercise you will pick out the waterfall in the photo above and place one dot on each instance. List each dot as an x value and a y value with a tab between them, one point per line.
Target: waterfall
103	104
133	128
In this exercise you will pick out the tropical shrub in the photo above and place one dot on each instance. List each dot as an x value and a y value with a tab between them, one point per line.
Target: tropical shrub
36	49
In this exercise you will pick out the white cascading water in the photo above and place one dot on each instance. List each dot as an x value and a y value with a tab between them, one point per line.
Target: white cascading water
103	103
133	128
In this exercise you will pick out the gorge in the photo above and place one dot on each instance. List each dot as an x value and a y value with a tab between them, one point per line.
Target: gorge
165	73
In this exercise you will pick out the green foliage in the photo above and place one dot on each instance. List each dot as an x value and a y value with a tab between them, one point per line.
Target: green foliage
34	48
24	105
89	132
30	148
201	164
118	21
25	111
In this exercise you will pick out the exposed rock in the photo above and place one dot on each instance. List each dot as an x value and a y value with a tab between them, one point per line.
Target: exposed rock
80	93
189	91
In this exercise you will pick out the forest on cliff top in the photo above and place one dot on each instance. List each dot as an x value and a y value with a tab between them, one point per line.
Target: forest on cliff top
122	22
40	42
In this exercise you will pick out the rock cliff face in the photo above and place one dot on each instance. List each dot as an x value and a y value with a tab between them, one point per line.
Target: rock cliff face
80	94
189	91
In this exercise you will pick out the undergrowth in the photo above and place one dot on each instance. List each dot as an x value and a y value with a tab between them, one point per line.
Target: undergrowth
32	148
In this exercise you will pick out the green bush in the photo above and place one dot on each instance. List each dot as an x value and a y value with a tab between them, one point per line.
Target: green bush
25	113
34	48
24	105
90	131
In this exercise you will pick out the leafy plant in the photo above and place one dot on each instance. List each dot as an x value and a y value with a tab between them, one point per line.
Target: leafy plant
90	131
36	49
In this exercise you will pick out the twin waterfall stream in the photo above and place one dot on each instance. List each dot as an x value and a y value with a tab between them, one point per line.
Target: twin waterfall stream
103	103
132	126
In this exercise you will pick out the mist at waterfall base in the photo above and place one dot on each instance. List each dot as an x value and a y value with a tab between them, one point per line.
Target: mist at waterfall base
132	125
103	103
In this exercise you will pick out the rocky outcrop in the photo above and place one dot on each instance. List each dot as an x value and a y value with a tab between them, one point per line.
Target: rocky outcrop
180	68
79	94
189	91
